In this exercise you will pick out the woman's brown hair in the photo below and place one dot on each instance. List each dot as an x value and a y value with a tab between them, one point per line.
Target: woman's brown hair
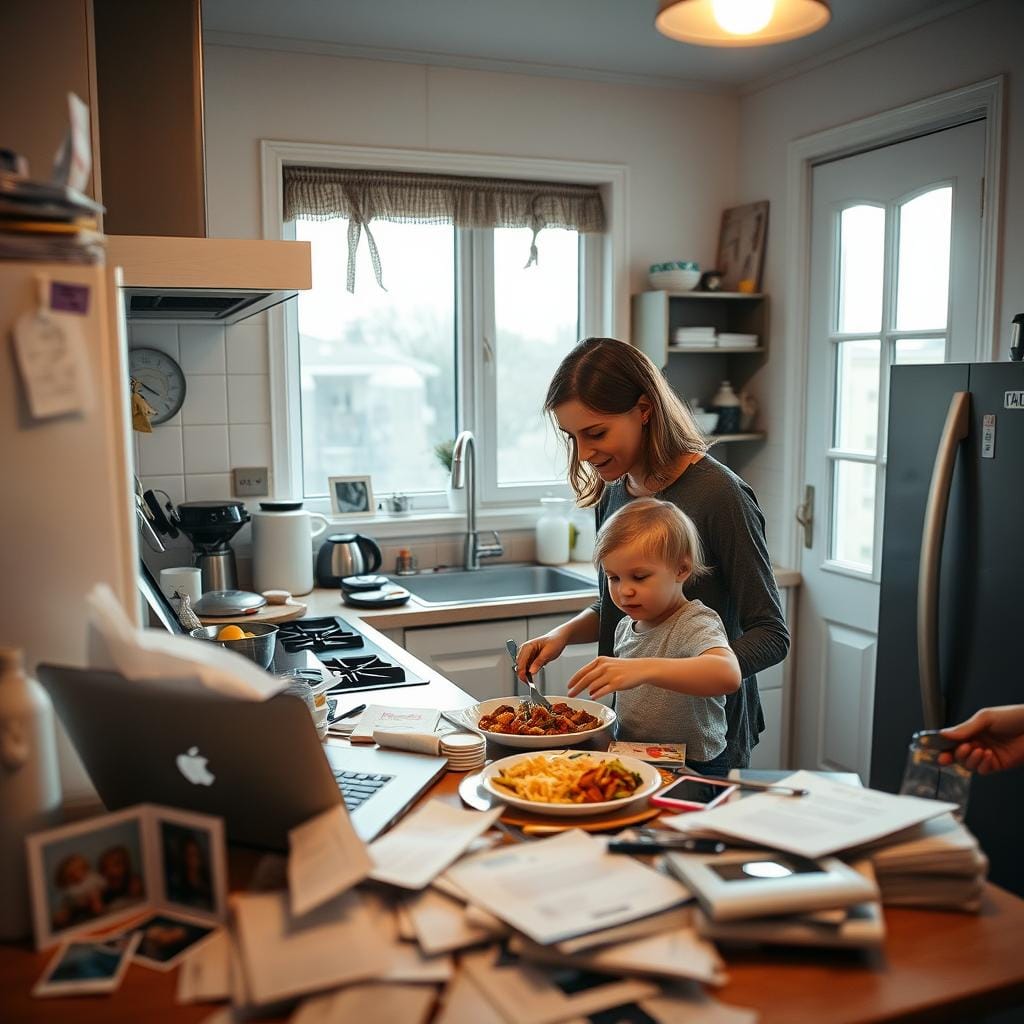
611	376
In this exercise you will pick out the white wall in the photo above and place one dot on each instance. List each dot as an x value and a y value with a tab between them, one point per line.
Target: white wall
975	44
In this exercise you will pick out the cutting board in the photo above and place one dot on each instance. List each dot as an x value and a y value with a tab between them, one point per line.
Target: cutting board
291	609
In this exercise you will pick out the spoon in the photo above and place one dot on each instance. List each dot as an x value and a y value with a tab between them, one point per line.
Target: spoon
535	695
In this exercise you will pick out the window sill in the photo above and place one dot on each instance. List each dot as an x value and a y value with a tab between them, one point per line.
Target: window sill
428	524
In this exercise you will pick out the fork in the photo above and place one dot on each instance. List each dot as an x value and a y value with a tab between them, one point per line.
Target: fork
535	695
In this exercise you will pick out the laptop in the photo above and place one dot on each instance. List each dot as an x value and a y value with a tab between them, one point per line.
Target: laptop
257	764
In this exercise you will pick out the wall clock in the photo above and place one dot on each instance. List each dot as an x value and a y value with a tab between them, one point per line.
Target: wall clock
160	379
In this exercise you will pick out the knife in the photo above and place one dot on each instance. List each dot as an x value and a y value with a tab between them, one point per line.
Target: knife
535	695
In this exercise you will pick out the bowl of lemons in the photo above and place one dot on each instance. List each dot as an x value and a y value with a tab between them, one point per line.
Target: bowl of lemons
254	640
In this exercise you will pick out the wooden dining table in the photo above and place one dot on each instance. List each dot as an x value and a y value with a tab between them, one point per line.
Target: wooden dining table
934	966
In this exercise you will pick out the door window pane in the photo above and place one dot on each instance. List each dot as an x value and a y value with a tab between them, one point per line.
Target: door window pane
921	350
856	426
853	514
378	368
922	287
536	321
861	259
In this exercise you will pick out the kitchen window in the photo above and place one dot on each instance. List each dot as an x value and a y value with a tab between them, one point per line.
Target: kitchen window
464	334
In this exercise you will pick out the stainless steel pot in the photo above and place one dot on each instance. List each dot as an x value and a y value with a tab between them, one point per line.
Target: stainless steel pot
345	554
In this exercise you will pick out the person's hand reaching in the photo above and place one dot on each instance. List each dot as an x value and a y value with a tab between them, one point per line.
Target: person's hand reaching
992	740
536	653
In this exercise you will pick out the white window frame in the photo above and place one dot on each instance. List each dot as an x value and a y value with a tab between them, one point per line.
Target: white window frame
602	264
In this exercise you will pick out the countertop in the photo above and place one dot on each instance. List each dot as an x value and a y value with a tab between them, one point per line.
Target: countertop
327	601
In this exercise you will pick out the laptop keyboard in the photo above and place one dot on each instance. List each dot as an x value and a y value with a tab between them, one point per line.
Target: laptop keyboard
357	787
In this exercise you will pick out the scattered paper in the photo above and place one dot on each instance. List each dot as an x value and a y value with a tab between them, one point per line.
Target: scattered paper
832	817
337	943
377	716
151	654
692	1004
441	924
205	974
410	1004
326	858
426	842
553	889
669	920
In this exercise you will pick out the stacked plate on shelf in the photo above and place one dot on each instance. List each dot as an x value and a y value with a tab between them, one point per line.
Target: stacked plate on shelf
465	751
730	340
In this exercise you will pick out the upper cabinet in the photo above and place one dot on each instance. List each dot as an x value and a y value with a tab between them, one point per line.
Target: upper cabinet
696	368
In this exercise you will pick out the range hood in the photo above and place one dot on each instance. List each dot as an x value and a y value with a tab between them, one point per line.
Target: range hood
206	280
149	73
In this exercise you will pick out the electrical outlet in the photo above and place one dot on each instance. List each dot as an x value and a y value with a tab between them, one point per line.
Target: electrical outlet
250	481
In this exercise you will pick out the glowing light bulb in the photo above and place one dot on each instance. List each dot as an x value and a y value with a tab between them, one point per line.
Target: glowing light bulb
743	17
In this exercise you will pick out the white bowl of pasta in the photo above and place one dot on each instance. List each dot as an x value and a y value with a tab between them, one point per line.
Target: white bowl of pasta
505	719
567	783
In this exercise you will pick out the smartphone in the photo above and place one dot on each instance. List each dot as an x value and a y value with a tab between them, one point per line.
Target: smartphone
694	793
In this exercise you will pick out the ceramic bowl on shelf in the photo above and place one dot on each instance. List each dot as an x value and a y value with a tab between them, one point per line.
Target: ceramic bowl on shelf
706	421
677	276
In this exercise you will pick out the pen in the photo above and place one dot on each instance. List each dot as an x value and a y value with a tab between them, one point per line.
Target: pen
351	711
649	845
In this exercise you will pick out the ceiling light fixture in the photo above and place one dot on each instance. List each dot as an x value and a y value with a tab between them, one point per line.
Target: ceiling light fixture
740	22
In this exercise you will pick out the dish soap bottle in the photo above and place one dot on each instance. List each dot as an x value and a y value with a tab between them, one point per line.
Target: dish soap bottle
552	532
727	405
30	798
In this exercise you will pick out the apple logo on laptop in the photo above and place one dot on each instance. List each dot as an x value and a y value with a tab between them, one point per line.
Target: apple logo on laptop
193	766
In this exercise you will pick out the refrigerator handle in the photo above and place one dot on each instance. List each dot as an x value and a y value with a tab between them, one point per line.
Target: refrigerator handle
953	432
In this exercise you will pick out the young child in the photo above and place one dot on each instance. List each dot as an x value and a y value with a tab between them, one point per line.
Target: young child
673	665
81	891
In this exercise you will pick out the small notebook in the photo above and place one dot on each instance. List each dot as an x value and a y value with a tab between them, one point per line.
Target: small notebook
379	718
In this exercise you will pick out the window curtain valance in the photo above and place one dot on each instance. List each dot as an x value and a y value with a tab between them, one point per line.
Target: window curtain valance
323	193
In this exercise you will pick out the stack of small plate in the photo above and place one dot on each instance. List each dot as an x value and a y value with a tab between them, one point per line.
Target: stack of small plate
464	750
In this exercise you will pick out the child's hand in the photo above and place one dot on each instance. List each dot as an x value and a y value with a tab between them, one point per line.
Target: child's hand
607	675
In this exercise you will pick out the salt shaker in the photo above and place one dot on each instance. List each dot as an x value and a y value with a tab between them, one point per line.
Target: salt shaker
925	777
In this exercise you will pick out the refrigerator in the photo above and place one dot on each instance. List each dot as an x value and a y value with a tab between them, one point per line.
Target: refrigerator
950	623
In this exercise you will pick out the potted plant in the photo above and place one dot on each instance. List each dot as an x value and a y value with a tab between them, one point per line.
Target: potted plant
456	497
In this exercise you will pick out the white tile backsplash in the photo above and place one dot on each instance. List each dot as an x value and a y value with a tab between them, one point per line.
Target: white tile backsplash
202	348
172	486
249	444
159	336
160	453
247	349
206	400
248	399
206	450
208	486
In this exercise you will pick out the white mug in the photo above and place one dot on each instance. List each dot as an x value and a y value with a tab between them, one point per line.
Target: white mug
183	580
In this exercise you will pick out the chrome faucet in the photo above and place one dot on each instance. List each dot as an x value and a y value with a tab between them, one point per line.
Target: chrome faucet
464	475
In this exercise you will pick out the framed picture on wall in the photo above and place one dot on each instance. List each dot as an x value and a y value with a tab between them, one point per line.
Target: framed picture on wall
741	247
350	495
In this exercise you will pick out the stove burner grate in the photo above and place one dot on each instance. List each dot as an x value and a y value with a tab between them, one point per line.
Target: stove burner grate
318	635
350	673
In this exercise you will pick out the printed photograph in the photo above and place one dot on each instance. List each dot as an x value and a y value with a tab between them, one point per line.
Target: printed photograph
90	875
351	495
164	939
187	864
81	966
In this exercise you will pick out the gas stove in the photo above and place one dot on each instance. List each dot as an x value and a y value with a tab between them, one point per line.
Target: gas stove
332	645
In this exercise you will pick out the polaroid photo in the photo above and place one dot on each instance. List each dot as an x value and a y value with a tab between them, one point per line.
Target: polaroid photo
165	938
351	495
93	874
86	967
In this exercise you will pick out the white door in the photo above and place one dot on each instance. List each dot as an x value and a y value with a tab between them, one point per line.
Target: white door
895	251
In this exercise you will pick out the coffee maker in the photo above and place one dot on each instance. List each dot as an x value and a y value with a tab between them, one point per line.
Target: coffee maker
210	525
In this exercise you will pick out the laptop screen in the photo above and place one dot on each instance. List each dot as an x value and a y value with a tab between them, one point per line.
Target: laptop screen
158	609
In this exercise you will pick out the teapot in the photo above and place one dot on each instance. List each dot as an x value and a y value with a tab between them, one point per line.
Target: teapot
346	554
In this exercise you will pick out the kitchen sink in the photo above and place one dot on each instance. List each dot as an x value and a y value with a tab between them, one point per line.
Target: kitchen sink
494	582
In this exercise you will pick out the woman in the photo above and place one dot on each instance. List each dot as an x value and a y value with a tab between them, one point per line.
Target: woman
628	435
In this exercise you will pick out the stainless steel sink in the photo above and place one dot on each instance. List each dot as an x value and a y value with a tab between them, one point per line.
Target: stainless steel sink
497	582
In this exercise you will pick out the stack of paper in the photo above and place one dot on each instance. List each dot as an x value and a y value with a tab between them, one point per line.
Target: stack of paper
694	337
935	864
732	340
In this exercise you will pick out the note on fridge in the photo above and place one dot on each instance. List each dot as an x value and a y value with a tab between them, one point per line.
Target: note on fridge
831	817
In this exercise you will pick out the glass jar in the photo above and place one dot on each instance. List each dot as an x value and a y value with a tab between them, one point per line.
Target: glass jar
925	777
552	531
583	535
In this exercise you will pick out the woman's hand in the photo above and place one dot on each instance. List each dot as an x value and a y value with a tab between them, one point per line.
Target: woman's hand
993	740
536	653
607	675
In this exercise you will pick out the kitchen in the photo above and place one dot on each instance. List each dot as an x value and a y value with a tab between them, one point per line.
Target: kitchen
671	158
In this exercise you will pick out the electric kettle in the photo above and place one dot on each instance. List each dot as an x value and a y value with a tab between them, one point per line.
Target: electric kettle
345	554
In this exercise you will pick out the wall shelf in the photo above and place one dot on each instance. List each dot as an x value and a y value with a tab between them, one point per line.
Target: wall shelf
712	350
756	435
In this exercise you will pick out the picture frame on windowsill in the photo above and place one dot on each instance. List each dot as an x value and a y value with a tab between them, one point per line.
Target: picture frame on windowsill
350	496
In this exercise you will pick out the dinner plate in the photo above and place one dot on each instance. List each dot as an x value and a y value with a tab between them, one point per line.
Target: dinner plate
469	717
650	783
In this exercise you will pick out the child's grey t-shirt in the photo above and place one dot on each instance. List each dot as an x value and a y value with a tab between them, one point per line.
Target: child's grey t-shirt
649	712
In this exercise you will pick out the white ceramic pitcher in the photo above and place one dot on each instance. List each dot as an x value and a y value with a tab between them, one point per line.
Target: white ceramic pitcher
282	546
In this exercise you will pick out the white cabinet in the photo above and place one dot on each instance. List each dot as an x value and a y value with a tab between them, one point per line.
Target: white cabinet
471	656
554	678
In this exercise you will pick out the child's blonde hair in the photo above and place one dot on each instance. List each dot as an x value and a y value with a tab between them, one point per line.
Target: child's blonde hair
663	530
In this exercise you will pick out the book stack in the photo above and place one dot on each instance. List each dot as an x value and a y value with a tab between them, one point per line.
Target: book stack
694	337
936	864
53	223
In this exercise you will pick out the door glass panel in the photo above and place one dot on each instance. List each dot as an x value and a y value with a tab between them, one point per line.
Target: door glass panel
856	425
536	317
861	260
921	350
922	285
853	514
